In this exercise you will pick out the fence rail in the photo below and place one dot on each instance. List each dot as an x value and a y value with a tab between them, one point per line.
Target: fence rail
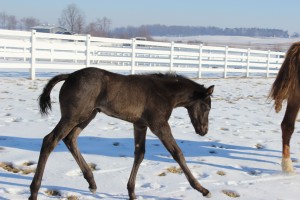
37	51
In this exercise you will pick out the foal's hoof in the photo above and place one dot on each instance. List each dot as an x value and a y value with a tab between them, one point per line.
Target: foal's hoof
208	195
287	166
93	190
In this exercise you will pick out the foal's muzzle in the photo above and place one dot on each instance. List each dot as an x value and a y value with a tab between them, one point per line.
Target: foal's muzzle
202	130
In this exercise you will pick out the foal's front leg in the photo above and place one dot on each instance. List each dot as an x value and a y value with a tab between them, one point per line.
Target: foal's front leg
287	127
165	135
139	152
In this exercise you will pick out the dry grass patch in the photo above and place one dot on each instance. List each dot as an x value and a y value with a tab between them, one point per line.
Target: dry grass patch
231	193
28	163
53	193
92	166
259	146
221	173
27	171
174	170
72	197
11	168
162	174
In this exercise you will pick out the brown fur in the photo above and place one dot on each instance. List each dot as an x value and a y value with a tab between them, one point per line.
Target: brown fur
288	77
286	87
146	101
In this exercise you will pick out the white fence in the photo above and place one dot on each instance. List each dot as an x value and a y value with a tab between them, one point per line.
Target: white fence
37	51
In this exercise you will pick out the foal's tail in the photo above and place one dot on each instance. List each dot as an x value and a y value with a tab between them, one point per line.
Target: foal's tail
288	76
44	98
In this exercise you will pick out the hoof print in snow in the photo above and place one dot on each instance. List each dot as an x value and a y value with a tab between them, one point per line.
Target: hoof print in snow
231	193
254	172
116	144
213	152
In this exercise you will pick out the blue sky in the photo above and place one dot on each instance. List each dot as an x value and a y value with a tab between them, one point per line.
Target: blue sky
281	14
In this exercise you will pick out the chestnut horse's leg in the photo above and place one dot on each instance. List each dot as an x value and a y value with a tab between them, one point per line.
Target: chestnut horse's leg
71	142
166	137
50	141
139	152
287	127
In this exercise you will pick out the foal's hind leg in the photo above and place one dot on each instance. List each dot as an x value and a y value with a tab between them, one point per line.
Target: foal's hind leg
71	142
165	135
287	127
139	152
49	143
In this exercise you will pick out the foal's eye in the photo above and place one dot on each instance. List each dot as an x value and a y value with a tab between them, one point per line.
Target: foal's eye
204	107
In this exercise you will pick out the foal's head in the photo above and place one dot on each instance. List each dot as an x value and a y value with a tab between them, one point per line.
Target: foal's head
199	109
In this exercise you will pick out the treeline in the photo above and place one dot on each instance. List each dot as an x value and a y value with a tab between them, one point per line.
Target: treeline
72	18
162	30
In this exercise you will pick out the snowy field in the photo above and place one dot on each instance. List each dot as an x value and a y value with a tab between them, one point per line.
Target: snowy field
263	43
239	157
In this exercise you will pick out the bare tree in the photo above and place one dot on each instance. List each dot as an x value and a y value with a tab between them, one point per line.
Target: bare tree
92	29
27	23
104	25
144	32
72	18
12	22
100	28
8	21
3	20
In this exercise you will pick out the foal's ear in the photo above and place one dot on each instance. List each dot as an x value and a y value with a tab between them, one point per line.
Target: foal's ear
210	90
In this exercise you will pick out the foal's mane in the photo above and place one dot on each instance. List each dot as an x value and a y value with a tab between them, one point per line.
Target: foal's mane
288	76
176	78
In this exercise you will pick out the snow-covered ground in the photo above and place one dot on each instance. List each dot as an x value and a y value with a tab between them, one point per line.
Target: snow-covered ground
241	154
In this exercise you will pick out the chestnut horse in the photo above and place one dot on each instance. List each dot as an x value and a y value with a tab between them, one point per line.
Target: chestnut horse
287	87
146	101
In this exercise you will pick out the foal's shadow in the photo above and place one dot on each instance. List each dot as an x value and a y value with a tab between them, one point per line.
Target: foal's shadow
155	151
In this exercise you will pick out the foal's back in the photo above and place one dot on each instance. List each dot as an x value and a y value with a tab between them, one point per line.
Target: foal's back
130	97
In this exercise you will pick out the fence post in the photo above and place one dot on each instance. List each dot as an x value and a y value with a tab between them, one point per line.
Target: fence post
248	62
172	57
133	56
268	63
33	56
200	61
225	62
88	48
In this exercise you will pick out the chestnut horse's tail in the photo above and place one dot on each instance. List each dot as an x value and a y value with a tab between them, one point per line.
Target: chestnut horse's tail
287	79
44	98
